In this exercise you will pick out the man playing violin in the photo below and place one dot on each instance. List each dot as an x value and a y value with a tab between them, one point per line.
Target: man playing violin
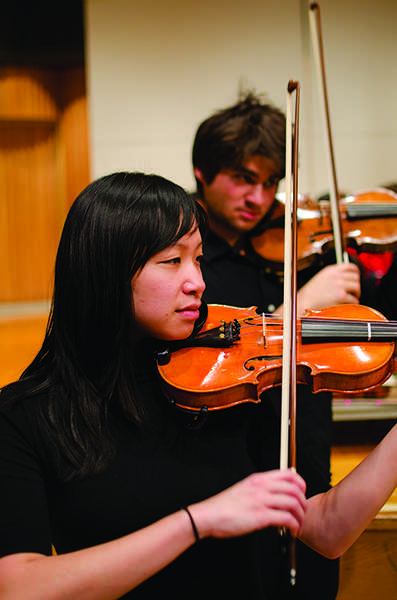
238	160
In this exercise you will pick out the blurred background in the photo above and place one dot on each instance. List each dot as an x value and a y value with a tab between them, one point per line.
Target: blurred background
90	87
95	86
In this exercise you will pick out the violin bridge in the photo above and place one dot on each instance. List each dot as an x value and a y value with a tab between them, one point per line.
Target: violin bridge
264	330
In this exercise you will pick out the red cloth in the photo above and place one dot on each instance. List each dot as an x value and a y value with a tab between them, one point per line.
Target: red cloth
375	265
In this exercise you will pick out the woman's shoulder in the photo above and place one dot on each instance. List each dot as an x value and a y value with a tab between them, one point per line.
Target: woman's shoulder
22	433
19	405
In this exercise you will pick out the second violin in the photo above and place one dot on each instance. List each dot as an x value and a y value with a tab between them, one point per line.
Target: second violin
369	224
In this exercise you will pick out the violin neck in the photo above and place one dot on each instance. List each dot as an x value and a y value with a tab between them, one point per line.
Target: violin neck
370	211
315	330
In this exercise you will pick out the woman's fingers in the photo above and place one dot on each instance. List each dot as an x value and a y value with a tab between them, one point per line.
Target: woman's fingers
273	498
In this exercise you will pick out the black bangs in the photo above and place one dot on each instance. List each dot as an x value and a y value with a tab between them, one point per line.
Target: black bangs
165	212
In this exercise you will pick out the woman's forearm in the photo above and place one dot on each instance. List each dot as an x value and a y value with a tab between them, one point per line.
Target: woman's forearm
103	572
108	571
334	520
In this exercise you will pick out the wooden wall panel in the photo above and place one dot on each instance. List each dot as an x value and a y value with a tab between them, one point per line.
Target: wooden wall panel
28	93
31	220
43	166
74	133
369	567
20	340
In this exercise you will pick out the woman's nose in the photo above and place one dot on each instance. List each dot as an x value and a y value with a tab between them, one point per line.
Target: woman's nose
194	282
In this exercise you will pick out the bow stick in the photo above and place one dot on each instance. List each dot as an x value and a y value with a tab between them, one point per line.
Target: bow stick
288	389
317	41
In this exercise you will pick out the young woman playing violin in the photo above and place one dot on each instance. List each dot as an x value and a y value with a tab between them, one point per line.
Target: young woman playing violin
96	464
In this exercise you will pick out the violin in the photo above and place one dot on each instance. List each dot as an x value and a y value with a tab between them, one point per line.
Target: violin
368	220
238	354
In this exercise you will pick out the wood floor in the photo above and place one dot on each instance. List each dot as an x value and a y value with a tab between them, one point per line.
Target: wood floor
368	569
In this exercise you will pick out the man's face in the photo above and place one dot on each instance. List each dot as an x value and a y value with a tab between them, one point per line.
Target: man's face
238	199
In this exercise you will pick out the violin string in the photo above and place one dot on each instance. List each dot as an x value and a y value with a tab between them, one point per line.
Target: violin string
370	210
258	319
324	327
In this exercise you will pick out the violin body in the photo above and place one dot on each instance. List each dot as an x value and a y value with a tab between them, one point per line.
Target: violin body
368	220
217	378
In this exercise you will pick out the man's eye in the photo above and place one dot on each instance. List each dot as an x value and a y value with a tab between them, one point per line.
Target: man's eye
244	177
248	179
270	183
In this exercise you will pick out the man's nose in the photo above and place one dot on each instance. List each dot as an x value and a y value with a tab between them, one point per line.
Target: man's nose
257	194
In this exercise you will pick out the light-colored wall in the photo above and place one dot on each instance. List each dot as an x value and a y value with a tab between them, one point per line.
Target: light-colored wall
156	69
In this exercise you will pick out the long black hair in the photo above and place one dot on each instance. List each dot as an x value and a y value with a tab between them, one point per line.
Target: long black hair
86	362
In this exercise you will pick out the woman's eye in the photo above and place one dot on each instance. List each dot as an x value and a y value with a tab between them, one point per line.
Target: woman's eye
172	261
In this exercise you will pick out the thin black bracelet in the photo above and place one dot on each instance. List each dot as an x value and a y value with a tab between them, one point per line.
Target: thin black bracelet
196	533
